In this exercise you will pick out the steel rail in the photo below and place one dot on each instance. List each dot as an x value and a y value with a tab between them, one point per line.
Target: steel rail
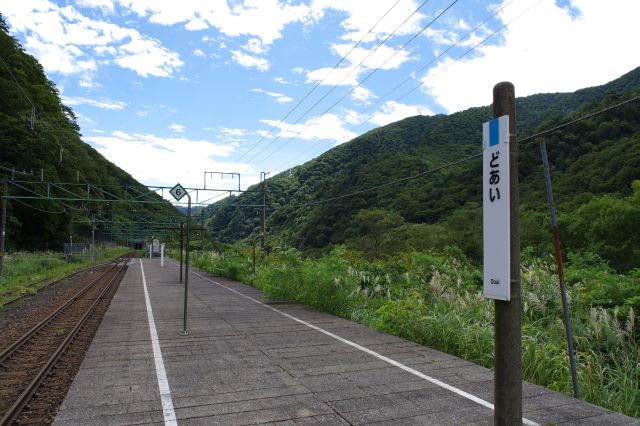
29	334
54	282
16	409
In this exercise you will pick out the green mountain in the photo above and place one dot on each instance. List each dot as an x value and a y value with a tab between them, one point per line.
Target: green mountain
594	158
39	133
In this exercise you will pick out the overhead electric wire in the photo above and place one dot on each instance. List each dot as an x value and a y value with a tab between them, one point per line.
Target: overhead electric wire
470	49
457	59
15	170
584	117
341	81
320	82
24	93
40	210
458	162
413	73
372	188
35	109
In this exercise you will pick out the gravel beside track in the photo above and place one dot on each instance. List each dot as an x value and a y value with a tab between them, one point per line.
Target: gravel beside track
21	368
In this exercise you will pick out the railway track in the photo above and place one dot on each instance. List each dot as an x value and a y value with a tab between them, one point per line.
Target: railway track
39	285
37	368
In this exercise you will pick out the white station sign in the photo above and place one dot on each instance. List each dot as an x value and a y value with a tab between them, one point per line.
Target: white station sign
496	208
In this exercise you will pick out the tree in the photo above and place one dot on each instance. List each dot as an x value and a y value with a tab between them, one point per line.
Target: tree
372	227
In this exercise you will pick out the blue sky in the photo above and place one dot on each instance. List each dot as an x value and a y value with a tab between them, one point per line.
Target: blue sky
170	89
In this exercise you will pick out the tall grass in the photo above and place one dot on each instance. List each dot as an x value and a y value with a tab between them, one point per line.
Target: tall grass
26	272
436	299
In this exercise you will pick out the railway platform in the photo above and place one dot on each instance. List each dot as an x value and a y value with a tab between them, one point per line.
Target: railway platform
245	361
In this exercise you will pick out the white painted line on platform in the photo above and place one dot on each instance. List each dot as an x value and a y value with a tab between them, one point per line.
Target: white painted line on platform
163	382
372	353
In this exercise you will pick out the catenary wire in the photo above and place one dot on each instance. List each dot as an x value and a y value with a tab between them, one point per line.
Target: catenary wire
40	121
408	78
464	54
463	160
340	82
320	82
484	40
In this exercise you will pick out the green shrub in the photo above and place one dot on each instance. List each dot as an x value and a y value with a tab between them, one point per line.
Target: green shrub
435	298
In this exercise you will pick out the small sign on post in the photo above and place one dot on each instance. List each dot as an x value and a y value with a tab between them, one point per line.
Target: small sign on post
178	192
496	208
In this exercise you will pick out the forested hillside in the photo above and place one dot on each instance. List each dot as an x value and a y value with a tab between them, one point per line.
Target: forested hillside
594	163
38	132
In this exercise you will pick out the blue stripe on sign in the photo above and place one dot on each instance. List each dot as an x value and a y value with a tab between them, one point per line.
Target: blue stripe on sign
494	132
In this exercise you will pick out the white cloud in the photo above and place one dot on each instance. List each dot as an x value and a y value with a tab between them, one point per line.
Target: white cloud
180	159
345	76
263	19
248	61
362	94
62	59
327	127
87	82
83	119
232	132
462	25
199	53
355	118
567	53
279	97
393	111
359	61
107	104
178	128
255	46
280	80
105	5
362	14
196	25
65	41
152	109
147	57
298	70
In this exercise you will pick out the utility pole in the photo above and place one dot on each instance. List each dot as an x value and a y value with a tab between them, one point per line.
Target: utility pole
253	241
201	228
3	224
263	179
508	322
70	239
181	246
186	268
93	238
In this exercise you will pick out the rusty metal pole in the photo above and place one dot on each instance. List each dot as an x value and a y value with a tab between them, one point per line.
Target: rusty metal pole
508	322
556	246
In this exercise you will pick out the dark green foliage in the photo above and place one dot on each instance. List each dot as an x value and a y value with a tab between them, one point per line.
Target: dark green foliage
597	156
44	224
435	298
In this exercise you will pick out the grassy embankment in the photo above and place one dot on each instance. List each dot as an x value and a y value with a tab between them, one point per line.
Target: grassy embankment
26	272
436	299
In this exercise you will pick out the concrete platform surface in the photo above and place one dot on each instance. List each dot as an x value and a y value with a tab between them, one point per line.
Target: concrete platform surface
249	362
